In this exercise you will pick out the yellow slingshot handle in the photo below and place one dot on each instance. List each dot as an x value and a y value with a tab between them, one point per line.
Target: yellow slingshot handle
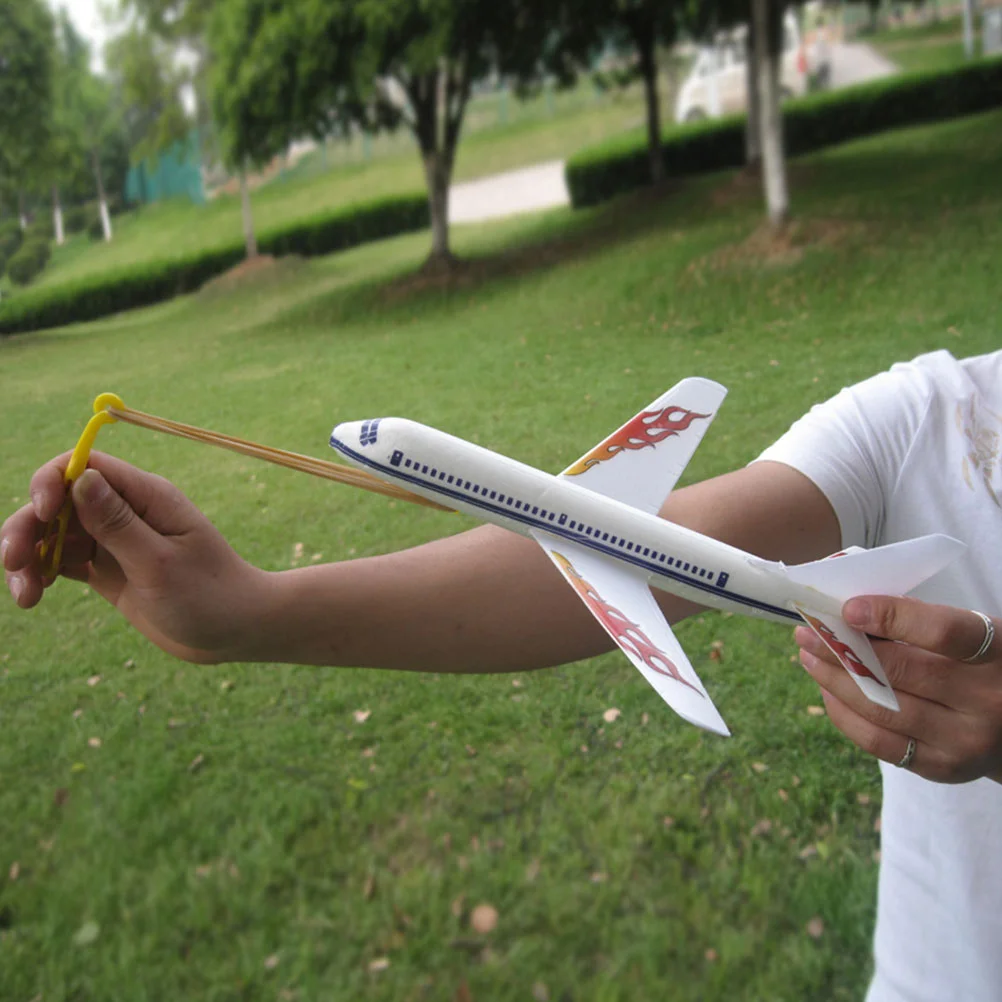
77	464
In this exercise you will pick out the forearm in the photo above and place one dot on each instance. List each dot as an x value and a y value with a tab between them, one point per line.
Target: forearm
482	601
490	600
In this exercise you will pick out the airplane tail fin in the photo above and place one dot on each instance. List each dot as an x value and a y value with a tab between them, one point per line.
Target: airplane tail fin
894	569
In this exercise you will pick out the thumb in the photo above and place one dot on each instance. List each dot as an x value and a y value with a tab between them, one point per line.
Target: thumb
109	518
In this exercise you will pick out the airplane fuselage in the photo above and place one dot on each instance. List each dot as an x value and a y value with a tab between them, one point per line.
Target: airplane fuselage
520	498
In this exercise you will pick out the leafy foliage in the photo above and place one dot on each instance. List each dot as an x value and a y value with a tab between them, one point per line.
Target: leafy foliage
603	171
288	67
26	58
88	299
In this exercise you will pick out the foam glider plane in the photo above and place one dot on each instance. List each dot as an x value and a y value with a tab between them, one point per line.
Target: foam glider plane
598	523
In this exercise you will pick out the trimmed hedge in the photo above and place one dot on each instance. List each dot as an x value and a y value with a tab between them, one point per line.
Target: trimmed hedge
99	296
810	123
29	262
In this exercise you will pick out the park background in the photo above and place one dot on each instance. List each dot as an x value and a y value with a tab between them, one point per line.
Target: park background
279	832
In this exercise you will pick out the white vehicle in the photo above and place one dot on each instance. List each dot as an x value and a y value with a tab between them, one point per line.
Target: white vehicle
717	85
598	523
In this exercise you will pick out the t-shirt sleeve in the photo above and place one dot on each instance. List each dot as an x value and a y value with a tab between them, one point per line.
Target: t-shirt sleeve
854	445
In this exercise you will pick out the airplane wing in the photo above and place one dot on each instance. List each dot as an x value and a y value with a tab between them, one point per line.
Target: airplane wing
622	602
640	463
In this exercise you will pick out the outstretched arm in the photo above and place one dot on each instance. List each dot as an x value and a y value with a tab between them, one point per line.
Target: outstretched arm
482	601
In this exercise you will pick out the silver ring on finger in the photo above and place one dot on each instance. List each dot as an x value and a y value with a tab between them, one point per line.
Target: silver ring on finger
906	759
986	643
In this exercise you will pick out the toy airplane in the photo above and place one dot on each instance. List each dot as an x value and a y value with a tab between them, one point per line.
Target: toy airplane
597	522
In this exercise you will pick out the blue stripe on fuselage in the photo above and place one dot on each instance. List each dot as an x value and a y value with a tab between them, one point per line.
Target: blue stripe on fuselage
397	473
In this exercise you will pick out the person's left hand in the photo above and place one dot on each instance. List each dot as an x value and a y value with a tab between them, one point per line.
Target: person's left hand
952	708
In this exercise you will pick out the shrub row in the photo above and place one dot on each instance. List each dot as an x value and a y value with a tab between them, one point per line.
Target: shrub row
101	295
608	169
29	261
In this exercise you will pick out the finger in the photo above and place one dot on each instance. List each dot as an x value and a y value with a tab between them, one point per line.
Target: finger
916	717
954	633
908	669
889	746
113	522
19	537
48	487
154	499
25	588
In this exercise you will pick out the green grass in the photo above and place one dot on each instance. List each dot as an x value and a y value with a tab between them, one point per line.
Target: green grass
937	45
292	841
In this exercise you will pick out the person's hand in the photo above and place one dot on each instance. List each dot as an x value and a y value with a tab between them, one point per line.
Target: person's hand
142	545
950	707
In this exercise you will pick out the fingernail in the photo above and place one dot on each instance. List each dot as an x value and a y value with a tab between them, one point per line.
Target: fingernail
4	547
856	612
91	488
16	585
36	502
809	661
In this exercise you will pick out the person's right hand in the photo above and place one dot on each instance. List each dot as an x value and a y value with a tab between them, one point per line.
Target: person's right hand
142	545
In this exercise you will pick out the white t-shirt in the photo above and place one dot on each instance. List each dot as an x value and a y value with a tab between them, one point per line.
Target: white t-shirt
912	451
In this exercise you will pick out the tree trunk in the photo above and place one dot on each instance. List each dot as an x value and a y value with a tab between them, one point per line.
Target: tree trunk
753	141
437	173
57	217
250	240
649	71
769	51
101	198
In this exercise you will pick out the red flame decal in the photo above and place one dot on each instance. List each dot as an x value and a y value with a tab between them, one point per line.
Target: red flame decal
849	658
643	432
626	633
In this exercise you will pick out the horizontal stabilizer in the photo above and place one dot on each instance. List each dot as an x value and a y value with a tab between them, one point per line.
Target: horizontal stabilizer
853	650
894	569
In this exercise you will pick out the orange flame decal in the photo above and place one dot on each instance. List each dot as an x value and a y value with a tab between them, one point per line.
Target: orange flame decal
626	633
643	432
849	658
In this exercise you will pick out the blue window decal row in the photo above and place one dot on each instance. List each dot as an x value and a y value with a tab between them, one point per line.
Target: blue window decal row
368	437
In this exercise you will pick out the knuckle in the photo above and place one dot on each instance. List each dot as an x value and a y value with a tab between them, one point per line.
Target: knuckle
117	517
881	717
870	740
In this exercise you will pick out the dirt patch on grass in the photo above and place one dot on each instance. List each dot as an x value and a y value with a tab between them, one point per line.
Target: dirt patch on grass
767	246
746	184
252	271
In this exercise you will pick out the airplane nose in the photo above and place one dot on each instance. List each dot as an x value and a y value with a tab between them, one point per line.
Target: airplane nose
355	433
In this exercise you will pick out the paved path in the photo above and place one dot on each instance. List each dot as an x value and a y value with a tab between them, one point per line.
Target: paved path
856	63
542	186
527	189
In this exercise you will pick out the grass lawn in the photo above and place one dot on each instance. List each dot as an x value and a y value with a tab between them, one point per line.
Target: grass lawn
525	135
313	856
938	45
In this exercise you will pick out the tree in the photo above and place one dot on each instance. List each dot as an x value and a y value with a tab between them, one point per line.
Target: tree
26	59
767	20
145	73
181	28
645	26
284	69
764	53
